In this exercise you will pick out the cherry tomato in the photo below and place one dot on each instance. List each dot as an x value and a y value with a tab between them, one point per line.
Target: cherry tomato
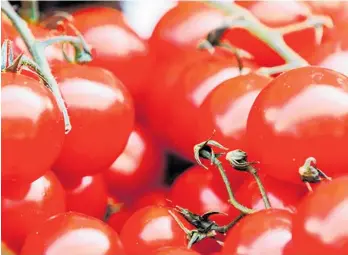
157	197
264	232
200	191
139	168
226	110
184	26
332	55
101	114
32	130
283	13
170	250
282	195
87	195
151	228
118	48
301	113
189	93
320	223
25	206
75	233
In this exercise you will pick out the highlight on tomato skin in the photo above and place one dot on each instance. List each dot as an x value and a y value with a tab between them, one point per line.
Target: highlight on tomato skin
26	206
73	232
98	102
302	113
32	130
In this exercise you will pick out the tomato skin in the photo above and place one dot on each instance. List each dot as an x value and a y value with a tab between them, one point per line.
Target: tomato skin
319	226
300	114
183	27
151	228
25	206
200	191
73	232
283	13
226	110
252	234
140	167
337	10
87	195
157	197
32	130
101	114
117	47
170	250
189	93
282	195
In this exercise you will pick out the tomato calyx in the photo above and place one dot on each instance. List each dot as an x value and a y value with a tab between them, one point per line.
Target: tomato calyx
205	151
111	208
309	173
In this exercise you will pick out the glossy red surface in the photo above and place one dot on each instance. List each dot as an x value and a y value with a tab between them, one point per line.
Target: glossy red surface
32	128
262	233
25	206
102	117
301	113
140	167
320	226
87	195
77	233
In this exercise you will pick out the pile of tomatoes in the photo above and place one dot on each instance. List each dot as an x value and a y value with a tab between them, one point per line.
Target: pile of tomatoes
100	188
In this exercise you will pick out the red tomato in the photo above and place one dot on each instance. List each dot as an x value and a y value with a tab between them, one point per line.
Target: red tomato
283	13
332	55
170	250
32	130
320	224
140	167
87	195
262	233
118	48
300	114
102	116
151	228
25	206
74	233
189	93
226	110
282	195
118	219
200	191
154	197
184	26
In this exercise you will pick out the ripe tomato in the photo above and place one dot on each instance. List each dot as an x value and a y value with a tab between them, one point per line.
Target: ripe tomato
25	206
282	195
200	191
87	195
226	110
283	13
102	116
170	250
75	233
301	113
139	168
189	93
154	197
320	223
264	232
151	228
184	26
117	47
32	130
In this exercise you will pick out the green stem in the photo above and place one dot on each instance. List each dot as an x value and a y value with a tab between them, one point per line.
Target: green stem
262	189
30	10
37	50
243	209
227	227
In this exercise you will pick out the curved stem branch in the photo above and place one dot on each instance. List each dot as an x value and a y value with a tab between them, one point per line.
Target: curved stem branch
232	199
36	49
262	189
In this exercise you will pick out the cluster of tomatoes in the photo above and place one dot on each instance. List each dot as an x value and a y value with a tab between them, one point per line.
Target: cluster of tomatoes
100	188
